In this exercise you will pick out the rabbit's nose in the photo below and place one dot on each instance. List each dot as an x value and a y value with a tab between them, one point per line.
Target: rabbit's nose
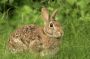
60	33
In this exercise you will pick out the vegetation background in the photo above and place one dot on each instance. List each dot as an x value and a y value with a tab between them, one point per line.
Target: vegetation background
74	15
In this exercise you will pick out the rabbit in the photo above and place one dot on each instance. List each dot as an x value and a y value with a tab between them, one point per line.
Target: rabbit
45	40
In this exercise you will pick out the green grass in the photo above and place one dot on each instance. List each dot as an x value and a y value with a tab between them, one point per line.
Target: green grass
75	42
74	17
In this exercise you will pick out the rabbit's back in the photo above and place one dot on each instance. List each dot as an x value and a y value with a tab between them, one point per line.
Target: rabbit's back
25	38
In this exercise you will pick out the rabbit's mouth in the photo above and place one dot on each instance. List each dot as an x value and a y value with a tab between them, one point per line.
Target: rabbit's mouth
53	34
56	35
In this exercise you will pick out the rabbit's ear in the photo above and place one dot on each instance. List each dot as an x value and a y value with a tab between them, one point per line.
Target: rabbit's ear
45	13
53	14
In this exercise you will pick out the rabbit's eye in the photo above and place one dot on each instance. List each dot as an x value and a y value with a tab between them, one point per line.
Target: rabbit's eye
51	25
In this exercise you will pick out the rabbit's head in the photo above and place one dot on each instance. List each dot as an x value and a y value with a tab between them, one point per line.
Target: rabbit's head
52	28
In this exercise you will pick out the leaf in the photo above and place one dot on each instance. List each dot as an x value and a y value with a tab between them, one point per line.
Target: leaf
82	4
71	1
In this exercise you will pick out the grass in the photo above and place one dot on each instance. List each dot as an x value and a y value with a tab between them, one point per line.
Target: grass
75	42
75	22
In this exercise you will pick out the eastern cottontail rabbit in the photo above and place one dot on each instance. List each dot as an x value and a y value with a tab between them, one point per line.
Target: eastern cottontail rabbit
45	40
